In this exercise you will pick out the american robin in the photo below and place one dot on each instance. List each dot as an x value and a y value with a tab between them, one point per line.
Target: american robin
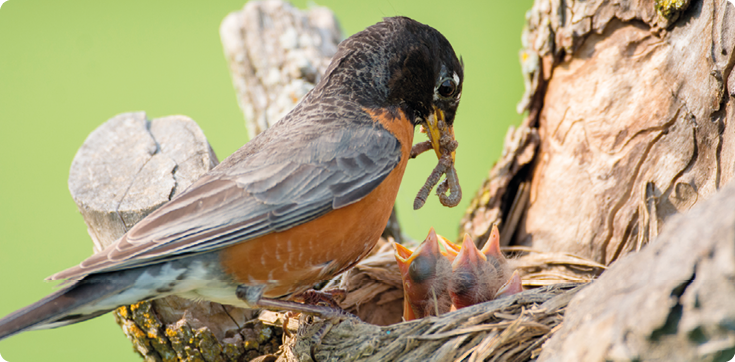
481	275
301	202
426	274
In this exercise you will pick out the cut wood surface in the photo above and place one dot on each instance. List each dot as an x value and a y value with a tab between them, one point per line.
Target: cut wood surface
130	166
126	169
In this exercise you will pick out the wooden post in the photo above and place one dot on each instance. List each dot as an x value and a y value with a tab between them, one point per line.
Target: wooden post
127	168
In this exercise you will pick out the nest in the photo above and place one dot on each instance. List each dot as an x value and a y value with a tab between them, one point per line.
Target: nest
507	329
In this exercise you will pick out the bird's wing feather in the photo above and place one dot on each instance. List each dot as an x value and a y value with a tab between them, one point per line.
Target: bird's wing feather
256	192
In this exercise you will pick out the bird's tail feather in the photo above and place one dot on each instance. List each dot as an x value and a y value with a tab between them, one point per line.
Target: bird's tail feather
72	304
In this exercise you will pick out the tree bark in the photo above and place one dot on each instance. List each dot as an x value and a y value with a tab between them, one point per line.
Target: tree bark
670	302
633	105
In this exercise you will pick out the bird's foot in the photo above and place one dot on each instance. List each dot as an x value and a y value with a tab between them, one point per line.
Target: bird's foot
331	297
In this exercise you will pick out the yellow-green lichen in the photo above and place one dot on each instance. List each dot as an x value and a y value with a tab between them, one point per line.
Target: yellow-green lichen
123	312
250	344
669	8
208	345
485	198
233	351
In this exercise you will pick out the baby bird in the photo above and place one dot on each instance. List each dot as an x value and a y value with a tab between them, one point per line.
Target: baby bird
481	275
426	273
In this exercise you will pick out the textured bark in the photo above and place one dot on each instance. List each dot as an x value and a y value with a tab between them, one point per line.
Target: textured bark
633	105
673	301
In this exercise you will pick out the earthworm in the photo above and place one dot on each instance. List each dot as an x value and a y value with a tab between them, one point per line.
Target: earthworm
445	166
451	184
445	162
420	148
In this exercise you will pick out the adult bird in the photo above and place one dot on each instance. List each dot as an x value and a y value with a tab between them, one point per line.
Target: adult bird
301	202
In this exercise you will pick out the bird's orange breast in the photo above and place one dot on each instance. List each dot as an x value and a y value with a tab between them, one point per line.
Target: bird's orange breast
295	259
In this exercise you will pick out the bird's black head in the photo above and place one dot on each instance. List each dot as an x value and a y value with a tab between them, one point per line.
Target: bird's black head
425	73
399	63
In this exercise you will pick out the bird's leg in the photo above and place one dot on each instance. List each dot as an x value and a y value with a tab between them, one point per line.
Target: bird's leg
253	295
286	319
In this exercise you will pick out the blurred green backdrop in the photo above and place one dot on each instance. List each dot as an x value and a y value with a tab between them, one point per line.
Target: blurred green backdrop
68	66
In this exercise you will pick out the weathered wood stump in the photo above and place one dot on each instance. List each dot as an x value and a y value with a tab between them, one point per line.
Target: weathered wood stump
126	169
130	166
276	53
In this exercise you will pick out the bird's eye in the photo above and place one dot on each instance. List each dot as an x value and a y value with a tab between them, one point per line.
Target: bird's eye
447	88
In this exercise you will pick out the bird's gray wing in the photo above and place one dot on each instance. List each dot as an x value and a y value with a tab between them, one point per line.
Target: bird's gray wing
254	192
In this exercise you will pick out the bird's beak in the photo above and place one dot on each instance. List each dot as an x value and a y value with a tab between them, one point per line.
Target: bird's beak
492	245
512	286
469	255
429	247
436	129
451	250
403	257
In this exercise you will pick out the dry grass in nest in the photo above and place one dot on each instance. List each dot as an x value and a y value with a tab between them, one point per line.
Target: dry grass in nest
508	329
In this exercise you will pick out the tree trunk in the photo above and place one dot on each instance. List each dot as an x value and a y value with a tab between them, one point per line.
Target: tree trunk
632	102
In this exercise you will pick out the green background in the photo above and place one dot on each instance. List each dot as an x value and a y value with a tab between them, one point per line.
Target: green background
68	66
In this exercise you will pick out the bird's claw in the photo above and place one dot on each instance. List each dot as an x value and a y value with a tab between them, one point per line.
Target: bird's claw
330	297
